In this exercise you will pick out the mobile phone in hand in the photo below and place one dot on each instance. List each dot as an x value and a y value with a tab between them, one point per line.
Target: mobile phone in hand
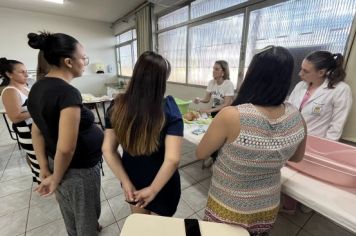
131	202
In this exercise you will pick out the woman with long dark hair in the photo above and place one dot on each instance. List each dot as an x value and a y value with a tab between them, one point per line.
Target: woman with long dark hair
256	137
149	128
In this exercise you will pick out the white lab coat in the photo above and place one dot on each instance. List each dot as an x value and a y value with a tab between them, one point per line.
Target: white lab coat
326	111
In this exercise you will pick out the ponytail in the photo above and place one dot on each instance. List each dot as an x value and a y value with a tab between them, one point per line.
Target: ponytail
336	74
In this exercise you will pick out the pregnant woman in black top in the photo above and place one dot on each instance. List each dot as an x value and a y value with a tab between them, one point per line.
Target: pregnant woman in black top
64	131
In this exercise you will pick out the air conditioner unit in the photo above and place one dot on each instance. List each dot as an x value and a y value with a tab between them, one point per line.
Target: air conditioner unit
167	3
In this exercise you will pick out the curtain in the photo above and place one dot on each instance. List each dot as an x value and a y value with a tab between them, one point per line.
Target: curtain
144	29
350	62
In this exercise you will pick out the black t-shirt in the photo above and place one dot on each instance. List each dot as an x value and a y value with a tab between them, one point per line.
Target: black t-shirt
47	98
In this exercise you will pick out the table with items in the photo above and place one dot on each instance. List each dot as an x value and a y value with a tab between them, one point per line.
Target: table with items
93	103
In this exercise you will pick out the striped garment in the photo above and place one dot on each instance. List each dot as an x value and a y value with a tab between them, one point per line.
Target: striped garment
245	186
23	131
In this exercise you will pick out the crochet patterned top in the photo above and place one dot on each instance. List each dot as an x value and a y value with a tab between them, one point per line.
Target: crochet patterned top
245	187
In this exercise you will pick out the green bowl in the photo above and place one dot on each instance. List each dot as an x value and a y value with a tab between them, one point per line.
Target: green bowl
182	105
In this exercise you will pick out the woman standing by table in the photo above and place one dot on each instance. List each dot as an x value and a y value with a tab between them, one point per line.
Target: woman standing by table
256	138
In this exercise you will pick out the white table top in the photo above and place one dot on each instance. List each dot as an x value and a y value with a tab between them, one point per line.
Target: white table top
150	225
335	203
89	98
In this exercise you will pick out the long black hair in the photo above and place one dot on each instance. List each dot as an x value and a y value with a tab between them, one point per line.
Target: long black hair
268	78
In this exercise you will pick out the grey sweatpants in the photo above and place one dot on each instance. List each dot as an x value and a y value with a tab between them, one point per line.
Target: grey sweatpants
78	196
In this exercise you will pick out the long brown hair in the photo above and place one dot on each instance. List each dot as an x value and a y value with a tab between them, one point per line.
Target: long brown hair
137	116
331	62
42	66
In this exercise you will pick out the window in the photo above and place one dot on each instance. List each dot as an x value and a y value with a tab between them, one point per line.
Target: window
126	52
204	7
217	40
196	35
174	18
173	46
301	26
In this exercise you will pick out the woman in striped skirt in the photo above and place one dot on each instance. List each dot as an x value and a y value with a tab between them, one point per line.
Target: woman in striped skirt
14	98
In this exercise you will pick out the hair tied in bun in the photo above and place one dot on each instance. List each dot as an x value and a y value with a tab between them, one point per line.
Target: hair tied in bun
37	41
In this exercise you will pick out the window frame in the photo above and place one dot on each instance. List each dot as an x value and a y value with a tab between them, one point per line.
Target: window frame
245	7
117	51
214	16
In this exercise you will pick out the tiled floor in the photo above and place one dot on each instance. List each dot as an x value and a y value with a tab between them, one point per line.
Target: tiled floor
23	212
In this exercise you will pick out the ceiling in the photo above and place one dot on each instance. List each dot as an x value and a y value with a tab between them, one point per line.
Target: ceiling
100	10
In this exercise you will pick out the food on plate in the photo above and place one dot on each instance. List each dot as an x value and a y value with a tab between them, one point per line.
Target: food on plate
191	116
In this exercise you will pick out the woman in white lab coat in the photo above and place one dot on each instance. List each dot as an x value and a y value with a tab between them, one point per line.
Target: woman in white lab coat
322	97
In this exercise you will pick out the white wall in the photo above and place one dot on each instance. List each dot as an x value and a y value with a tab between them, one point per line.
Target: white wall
96	37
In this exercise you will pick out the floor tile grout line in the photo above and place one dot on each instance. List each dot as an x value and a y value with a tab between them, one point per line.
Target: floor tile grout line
8	160
112	212
293	223
187	164
118	226
336	224
28	175
28	215
191	206
13	192
101	188
44	225
29	207
300	229
193	177
188	205
306	222
189	217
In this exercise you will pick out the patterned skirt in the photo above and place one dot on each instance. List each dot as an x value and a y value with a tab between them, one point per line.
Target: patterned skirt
23	131
257	223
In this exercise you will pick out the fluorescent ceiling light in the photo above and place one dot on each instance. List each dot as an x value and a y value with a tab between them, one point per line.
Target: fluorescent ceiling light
55	1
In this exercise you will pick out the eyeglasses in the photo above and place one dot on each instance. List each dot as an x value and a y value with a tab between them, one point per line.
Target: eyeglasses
86	60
